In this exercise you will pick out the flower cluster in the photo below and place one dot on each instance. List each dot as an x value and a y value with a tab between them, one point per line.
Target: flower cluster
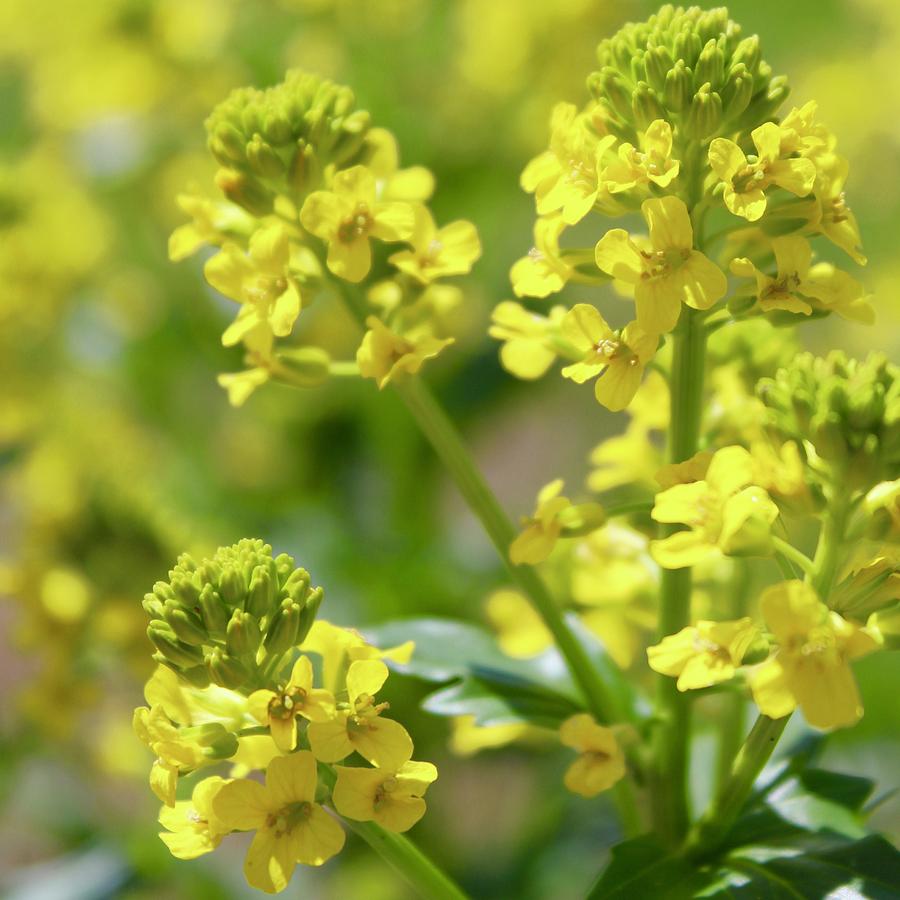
311	189
247	675
683	127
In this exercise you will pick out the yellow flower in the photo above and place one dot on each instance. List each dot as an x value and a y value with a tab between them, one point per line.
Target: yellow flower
390	797
384	354
670	274
543	271
811	667
703	654
348	215
358	725
193	827
835	218
553	513
240	385
746	182
529	339
212	221
290	826
601	762
468	738
627	458
438	253
800	133
615	359
254	753
801	287
260	280
521	632
412	185
650	163
564	178
725	513
299	698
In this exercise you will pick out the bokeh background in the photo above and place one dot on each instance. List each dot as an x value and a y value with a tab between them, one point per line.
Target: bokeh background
118	450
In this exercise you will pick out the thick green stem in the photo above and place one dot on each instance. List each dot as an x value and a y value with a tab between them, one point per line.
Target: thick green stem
669	797
429	882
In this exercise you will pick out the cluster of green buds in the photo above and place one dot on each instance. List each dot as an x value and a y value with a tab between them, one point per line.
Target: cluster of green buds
230	619
845	412
283	136
690	67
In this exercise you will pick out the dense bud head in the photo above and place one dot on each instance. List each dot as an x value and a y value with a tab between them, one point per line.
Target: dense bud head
227	618
692	67
282	138
847	409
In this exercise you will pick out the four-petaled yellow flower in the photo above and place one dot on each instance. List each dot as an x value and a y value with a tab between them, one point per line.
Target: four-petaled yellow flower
670	273
746	182
390	797
261	281
650	163
530	340
552	514
601	762
279	710
193	827
384	354
834	218
348	215
358	725
543	271
290	826
438	253
565	177
615	358
703	654
800	287
811	667
725	513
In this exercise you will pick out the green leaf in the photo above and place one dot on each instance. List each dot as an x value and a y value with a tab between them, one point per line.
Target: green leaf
642	868
850	791
796	804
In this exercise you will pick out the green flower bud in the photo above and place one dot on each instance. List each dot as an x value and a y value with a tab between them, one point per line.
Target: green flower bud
308	366
213	610
198	676
615	94
284	628
245	191
226	670
737	91
263	160
242	636
645	106
657	62
748	52
309	613
705	115
167	643
687	47
262	592
152	606
232	587
187	625
185	588
710	68
679	87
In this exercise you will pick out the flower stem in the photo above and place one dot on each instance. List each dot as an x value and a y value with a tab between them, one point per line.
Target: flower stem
401	854
791	553
669	800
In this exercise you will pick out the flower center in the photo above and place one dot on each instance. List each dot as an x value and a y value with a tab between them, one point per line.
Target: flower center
288	817
286	705
355	226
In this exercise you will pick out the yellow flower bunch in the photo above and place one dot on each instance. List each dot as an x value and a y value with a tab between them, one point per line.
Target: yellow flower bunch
246	675
310	189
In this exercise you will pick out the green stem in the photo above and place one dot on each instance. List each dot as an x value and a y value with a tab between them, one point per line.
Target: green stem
669	795
628	509
790	552
443	436
401	854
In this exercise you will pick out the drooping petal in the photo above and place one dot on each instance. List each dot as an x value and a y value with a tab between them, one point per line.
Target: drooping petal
350	260
657	304
825	690
684	503
750	205
619	383
669	223
618	256
285	311
269	863
726	159
684	548
770	690
730	469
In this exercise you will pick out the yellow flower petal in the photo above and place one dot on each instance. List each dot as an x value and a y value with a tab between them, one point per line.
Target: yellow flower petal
316	840
618	256
292	779
384	743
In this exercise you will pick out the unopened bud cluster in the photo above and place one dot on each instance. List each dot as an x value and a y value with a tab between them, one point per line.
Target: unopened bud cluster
848	411
228	620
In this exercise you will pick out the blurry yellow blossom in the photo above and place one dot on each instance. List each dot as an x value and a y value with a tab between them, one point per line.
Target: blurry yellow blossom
254	753
811	667
835	218
390	797
691	470
553	513
746	182
725	513
384	354
298	698
290	826
615	359
438	253
358	725
65	594
601	762
704	654
672	272
411	185
529	339
261	281
348	215
468	737
543	271
651	162
521	633
212	222
193	827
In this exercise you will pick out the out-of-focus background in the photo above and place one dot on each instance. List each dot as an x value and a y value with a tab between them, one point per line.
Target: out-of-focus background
118	450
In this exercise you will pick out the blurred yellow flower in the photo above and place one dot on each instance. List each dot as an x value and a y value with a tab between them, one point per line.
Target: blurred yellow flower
438	253
193	827
521	632
348	215
650	163
383	354
601	762
811	667
704	654
543	271
290	826
529	339
671	273
390	797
